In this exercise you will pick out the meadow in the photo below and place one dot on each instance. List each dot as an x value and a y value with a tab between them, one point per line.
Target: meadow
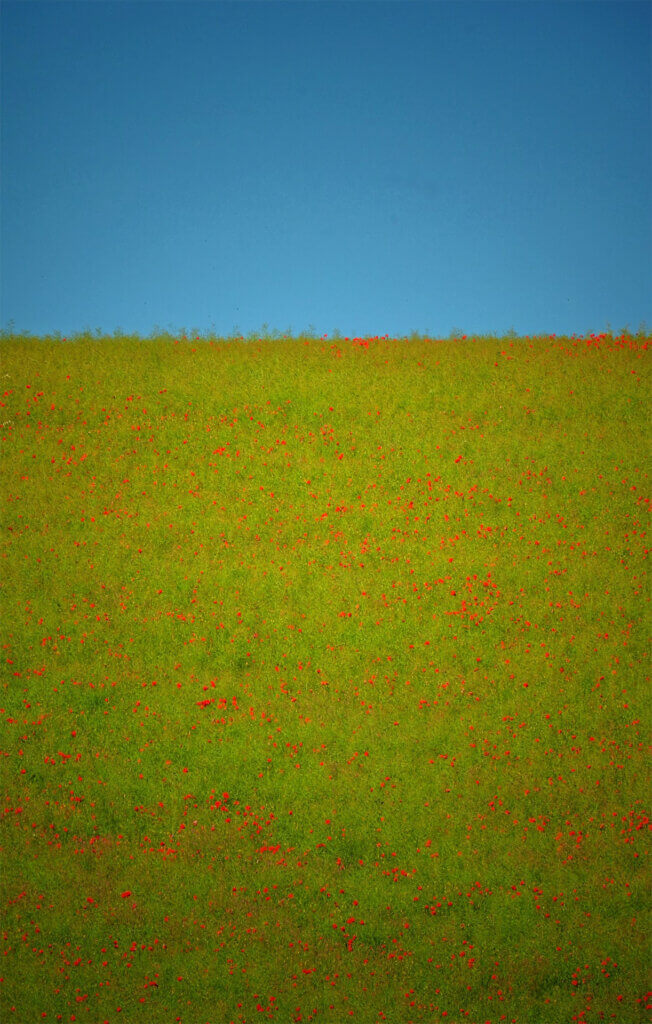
325	679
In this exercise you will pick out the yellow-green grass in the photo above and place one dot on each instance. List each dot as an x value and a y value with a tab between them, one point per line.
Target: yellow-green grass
389	595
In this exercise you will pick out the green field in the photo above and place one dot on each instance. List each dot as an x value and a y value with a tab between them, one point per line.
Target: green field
325	679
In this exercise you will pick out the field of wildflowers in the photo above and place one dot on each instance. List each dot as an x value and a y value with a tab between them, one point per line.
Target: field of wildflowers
325	680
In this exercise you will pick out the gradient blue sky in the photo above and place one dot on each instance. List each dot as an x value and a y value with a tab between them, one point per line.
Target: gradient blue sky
371	167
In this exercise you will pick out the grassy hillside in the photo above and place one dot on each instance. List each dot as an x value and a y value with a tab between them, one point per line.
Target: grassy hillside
325	680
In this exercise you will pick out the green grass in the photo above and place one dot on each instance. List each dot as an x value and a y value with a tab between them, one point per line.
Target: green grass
389	595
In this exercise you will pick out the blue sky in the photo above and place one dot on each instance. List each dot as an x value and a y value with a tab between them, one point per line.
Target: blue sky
368	167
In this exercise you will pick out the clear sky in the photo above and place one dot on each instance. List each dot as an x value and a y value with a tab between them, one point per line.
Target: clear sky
368	167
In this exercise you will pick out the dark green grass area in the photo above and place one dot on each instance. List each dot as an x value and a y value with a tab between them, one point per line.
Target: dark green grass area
325	680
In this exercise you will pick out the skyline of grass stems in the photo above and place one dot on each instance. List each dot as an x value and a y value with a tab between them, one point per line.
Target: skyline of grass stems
389	595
